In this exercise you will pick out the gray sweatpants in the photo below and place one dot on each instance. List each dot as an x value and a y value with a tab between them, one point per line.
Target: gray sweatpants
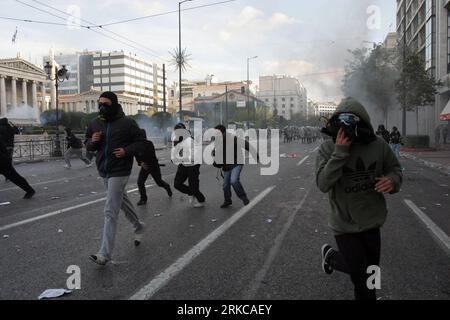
116	199
77	152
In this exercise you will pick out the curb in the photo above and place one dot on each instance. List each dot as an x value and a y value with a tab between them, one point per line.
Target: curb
433	165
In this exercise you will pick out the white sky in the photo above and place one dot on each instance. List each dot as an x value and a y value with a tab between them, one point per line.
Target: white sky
293	37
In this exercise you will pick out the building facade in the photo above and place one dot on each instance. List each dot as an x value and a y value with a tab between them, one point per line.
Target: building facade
424	25
87	102
286	95
325	109
197	89
22	91
81	73
131	76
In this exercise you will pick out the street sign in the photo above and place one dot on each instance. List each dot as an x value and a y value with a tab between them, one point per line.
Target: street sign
241	104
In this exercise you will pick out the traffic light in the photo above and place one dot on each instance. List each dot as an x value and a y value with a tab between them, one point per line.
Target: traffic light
243	90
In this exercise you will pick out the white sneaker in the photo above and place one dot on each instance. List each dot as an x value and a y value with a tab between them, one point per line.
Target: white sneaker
138	234
89	165
67	167
192	200
198	204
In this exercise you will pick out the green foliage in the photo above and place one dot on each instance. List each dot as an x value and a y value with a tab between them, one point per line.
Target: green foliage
370	78
415	86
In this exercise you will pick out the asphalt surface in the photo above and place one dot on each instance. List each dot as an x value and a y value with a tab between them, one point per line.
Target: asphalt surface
271	252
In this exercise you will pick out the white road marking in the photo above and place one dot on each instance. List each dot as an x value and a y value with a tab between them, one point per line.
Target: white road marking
431	226
302	161
315	149
250	294
57	212
149	290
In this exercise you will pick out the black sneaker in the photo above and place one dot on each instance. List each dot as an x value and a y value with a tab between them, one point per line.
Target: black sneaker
226	204
142	202
326	251
246	201
29	195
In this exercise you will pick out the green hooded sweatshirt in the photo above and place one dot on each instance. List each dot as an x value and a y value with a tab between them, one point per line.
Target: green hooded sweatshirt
348	175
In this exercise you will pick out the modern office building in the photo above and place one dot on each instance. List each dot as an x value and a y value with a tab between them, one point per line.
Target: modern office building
129	75
424	25
81	74
286	95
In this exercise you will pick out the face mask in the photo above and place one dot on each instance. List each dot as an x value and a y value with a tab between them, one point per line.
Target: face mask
107	111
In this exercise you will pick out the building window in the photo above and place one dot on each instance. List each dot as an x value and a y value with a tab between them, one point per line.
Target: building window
292	106
448	40
430	35
284	99
292	99
284	106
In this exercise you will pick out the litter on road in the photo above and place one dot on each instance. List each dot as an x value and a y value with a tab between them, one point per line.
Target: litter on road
5	203
53	293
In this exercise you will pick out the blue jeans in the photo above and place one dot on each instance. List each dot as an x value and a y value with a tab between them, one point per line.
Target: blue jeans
233	178
396	149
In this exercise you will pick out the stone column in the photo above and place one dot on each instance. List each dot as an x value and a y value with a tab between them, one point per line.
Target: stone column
24	91
34	100
13	92
3	108
44	102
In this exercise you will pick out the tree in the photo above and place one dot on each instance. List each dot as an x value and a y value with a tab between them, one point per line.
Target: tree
162	120
370	78
87	119
415	87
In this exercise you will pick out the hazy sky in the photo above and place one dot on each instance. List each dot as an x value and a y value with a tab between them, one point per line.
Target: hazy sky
308	39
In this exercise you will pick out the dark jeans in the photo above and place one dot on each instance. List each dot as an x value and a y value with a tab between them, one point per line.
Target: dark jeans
11	174
356	253
191	174
156	175
233	178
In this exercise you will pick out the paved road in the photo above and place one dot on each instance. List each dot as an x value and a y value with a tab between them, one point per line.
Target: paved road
270	250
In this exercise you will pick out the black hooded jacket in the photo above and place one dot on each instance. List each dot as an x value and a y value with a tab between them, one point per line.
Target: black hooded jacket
146	153
121	132
7	133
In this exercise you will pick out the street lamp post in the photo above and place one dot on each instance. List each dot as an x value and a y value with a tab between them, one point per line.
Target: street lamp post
179	56
248	90
60	76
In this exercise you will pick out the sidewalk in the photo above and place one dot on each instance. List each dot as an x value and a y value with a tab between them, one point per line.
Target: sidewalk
432	158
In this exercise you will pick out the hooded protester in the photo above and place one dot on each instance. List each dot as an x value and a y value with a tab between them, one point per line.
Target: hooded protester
115	138
356	168
183	154
382	132
7	169
74	147
7	133
147	160
395	139
231	166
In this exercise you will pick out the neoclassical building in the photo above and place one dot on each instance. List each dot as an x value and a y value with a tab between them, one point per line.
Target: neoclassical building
22	88
87	102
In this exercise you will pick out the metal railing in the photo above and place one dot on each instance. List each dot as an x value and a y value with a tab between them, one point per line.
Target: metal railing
37	149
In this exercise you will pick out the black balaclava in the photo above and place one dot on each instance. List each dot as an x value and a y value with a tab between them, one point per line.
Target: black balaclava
107	112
